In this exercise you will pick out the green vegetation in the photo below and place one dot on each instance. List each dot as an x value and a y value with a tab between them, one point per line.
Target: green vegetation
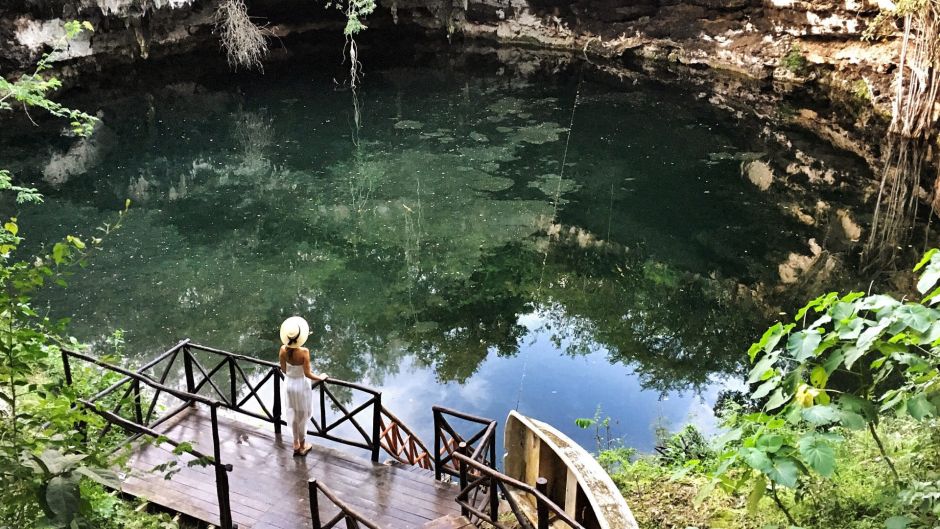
32	90
795	61
53	474
861	91
841	428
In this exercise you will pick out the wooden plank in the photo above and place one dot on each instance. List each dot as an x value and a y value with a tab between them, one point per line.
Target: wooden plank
264	468
356	494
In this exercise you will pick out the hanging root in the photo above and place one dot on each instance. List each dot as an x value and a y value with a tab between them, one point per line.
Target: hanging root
912	129
244	42
896	208
351	52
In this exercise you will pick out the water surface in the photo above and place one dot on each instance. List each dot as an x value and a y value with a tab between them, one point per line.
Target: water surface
440	249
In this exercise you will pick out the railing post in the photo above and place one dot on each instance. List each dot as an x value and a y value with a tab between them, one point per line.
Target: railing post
541	485
138	409
494	497
437	445
493	451
322	386
232	391
66	367
464	451
277	400
314	504
188	368
376	426
221	474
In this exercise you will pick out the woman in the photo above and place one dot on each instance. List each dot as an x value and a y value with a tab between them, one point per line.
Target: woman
295	364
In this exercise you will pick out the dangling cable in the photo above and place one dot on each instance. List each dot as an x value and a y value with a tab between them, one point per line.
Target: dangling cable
561	176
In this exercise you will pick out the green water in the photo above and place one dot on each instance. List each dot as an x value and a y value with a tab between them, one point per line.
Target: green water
441	251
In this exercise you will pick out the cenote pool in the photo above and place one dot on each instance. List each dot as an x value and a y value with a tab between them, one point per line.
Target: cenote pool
431	234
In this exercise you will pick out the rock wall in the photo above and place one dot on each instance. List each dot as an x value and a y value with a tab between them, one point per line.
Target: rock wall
793	48
788	40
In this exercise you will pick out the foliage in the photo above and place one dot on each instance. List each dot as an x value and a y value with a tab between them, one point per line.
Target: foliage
686	447
861	91
795	61
106	510
46	461
43	454
844	364
667	494
611	453
32	90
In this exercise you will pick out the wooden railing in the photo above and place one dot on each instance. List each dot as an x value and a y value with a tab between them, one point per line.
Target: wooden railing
402	444
140	385
235	390
346	514
477	477
222	380
477	433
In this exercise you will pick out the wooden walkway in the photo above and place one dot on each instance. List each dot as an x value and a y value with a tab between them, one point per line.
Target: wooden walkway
269	485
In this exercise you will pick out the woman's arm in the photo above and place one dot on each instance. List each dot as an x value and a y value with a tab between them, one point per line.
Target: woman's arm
307	373
283	359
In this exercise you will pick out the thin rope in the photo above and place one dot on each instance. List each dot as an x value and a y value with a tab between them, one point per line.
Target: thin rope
561	175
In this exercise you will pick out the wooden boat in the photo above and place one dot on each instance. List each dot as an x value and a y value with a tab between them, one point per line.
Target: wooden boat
576	482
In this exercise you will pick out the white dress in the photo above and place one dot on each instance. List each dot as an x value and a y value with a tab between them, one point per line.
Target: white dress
299	400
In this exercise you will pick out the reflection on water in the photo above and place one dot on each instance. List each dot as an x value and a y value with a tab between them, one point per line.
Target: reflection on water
425	253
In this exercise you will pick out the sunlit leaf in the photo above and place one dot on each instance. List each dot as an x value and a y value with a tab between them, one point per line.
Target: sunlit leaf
818	453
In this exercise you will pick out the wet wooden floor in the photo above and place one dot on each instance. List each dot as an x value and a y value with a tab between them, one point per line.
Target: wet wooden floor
269	485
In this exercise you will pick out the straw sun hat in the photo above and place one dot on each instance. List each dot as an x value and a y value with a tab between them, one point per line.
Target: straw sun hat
294	331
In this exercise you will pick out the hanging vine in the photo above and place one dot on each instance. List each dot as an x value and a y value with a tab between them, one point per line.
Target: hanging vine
912	128
245	42
356	11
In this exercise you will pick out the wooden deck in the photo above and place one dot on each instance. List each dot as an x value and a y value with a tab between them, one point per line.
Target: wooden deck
269	485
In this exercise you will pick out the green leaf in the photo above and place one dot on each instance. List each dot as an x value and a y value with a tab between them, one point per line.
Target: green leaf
62	497
866	340
59	252
928	279
784	471
770	443
57	463
852	420
765	364
821	415
584	423
765	388
897	522
777	399
926	258
852	354
818	377
102	476
917	317
758	488
818	453
756	459
920	408
769	340
802	345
